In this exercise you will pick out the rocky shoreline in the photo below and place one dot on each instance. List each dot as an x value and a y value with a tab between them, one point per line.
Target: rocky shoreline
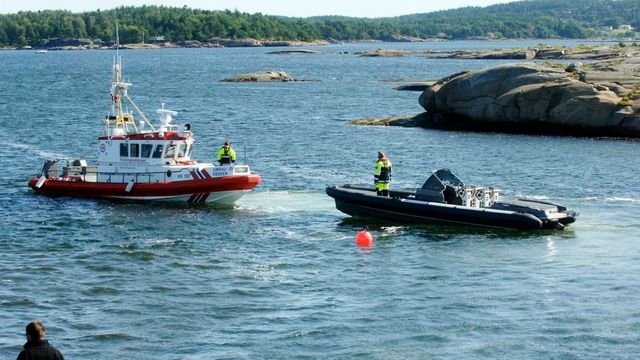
581	52
89	44
542	52
423	120
414	120
598	99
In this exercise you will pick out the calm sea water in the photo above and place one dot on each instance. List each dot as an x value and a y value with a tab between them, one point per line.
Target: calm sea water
279	275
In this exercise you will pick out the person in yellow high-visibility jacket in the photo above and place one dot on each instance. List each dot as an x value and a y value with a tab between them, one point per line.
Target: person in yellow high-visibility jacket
226	155
382	175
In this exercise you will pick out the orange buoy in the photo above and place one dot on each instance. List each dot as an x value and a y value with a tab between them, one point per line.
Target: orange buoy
364	238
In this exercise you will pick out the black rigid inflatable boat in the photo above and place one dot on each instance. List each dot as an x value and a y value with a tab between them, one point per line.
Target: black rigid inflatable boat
445	199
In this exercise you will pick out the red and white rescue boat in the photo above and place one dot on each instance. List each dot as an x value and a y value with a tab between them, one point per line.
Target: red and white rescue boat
141	162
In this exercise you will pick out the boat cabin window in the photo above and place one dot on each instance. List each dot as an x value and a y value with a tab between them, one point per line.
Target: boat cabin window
171	150
146	150
182	149
124	150
134	150
157	154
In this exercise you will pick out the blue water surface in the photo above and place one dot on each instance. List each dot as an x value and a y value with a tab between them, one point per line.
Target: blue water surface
279	276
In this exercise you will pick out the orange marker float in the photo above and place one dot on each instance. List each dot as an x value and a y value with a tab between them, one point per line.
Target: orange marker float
364	238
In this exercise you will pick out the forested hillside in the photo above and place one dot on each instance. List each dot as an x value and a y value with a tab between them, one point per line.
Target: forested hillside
521	19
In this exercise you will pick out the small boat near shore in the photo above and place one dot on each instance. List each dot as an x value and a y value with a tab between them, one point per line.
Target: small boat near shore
139	161
445	200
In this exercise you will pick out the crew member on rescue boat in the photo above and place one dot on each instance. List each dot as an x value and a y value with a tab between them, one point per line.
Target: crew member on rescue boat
226	155
382	175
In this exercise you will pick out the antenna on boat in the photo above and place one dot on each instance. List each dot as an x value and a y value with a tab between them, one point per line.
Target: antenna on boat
117	86
117	41
122	119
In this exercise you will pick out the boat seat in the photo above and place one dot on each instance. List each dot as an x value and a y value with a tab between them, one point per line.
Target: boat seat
430	195
451	196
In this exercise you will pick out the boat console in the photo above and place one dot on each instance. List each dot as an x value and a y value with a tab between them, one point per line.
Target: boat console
445	187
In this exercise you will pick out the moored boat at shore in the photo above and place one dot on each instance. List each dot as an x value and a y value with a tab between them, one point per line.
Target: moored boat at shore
445	200
138	161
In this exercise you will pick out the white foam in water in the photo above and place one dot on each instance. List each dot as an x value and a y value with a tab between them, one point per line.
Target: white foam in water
29	148
623	199
612	199
531	197
161	241
288	201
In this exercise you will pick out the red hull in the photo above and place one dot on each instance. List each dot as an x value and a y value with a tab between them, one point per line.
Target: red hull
78	188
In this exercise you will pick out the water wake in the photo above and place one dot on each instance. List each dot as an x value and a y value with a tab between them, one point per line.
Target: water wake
5	143
623	199
288	201
614	199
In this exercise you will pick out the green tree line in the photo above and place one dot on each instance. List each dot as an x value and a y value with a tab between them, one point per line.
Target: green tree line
522	19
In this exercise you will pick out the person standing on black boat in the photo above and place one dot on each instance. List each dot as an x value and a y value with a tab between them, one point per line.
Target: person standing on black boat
382	175
37	348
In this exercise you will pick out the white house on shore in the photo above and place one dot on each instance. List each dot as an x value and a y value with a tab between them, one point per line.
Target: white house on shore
154	39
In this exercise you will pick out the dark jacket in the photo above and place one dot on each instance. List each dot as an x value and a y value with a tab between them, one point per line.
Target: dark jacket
39	350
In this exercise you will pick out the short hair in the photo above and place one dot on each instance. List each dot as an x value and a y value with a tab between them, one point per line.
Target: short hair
35	330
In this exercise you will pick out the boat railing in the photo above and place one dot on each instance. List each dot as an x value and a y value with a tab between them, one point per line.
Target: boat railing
244	150
115	177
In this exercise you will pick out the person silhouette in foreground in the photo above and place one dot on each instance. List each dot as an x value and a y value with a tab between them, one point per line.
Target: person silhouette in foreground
37	348
382	175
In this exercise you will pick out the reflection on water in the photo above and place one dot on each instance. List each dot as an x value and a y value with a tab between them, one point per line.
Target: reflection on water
551	248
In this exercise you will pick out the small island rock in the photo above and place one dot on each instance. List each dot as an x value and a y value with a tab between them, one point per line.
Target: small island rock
294	52
265	76
383	53
416	120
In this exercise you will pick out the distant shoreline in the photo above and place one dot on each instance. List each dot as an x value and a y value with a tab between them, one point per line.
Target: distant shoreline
252	43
